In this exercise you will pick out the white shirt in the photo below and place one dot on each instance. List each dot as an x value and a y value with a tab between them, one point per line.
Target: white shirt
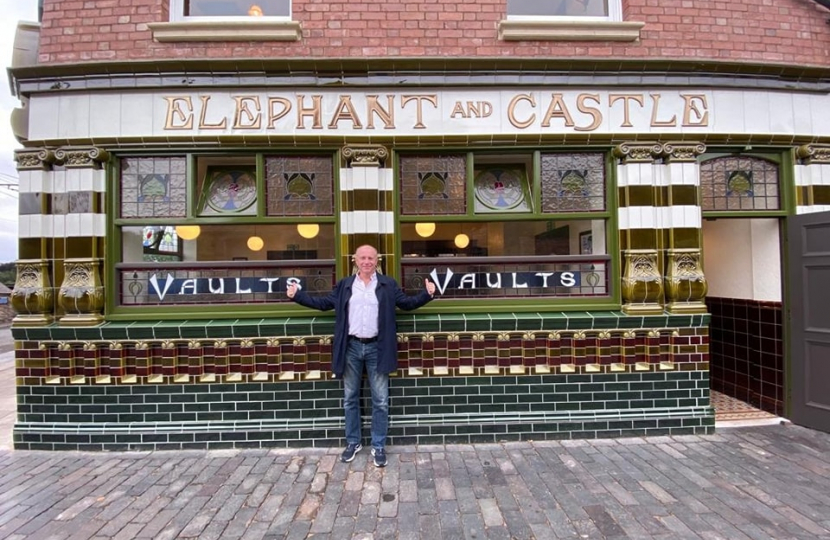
363	308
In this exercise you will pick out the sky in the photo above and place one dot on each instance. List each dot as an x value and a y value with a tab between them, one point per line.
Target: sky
18	10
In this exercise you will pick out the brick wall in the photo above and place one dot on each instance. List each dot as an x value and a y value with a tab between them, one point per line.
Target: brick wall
777	31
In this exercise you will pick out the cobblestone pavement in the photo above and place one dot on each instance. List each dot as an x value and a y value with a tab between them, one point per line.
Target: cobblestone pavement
759	482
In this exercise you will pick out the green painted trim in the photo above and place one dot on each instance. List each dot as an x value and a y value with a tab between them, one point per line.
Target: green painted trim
612	229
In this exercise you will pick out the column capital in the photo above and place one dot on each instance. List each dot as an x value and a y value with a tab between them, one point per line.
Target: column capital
682	151
34	159
813	153
81	157
365	155
638	152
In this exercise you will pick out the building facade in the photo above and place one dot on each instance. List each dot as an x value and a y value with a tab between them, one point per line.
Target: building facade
599	189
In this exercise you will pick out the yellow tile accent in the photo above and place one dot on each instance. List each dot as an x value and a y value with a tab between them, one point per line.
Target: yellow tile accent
129	379
642	366
53	380
441	370
312	375
466	370
593	368
233	377
181	378
77	379
617	366
541	369
287	376
567	368
155	379
103	379
517	370
665	366
416	371
208	377
491	370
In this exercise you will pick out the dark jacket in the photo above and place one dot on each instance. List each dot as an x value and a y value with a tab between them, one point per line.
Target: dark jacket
389	295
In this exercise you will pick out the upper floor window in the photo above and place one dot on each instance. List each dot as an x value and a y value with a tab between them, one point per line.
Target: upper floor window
610	10
229	9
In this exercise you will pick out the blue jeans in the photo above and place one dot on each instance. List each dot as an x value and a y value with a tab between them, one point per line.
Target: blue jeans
358	356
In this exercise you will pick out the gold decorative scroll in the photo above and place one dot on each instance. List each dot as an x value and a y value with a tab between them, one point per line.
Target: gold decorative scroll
685	283
642	284
82	293
32	294
365	155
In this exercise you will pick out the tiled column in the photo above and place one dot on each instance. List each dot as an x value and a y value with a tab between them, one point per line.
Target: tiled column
62	217
641	238
812	178
366	206
685	283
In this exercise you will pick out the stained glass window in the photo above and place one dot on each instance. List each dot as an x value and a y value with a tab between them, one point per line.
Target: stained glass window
501	188
739	183
153	187
433	184
300	185
573	182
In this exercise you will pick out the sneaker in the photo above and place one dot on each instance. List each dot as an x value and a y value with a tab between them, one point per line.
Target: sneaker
350	451
380	457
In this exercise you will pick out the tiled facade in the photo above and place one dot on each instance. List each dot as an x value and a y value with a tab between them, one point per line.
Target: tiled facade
181	385
747	351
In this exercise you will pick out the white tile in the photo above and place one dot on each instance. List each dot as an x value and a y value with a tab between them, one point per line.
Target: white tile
99	180
691	174
36	226
36	182
726	112
73	122
359	178
647	217
346	219
105	115
646	176
622	175
59	226
23	226
386	179
136	119
387	223
635	217
87	227
59	182
24	181
73	225
359	225
73	180
781	113
346	181
802	115
663	217
820	115
756	107
372	221
85	182
801	175
622	219
46	227
43	116
371	177
99	225
693	218
821	176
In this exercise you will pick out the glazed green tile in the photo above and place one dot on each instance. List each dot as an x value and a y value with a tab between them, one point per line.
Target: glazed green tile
322	326
246	328
406	323
272	328
90	333
140	332
659	321
605	319
298	327
452	323
631	321
529	321
38	334
114	332
219	329
477	322
192	329
503	321
579	323
427	323
166	330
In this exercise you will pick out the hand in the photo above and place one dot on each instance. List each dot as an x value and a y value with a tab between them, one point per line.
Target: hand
291	290
430	287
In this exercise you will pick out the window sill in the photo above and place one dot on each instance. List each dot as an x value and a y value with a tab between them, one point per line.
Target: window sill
510	30
255	30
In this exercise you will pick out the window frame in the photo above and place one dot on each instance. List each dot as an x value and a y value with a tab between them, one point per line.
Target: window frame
177	15
615	14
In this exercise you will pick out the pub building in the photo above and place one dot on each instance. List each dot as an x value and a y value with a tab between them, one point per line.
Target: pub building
600	190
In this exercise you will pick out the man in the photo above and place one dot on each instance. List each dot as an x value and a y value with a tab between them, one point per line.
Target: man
365	337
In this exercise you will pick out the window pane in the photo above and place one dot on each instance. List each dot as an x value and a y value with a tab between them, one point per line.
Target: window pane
230	243
573	183
558	8
153	187
232	8
505	239
300	186
739	183
433	184
501	188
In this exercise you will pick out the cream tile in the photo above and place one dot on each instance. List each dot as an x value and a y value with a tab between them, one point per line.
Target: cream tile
99	180
105	115
372	177
59	226
24	225
821	176
623	171
387	222
85	177
693	219
73	225
359	180
36	226
347	223
87	227
73	180
802	174
46	227
134	119
44	112
99	225
781	112
346	181
622	219
372	224
386	179
73	122
59	182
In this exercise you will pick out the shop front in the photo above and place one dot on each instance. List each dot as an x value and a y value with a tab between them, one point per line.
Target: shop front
563	226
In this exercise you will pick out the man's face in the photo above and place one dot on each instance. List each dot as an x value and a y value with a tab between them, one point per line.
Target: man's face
366	258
